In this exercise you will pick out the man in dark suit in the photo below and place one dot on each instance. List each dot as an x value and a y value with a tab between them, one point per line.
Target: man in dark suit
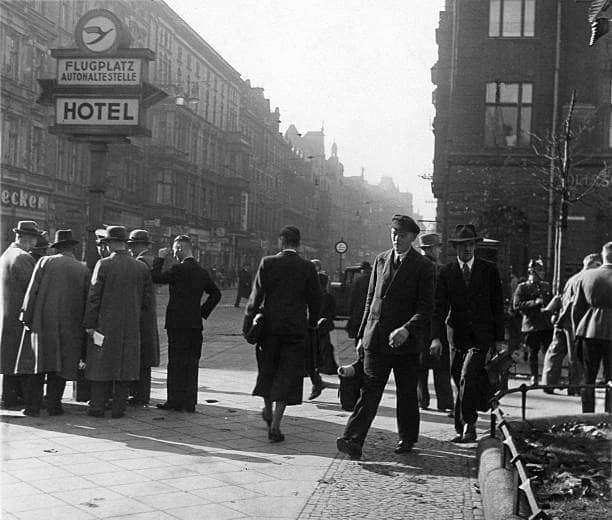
244	284
285	287
431	245
357	299
391	336
470	305
184	314
592	320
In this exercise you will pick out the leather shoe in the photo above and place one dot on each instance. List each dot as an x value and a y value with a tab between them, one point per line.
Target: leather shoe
458	438
404	447
469	433
349	446
30	412
275	436
316	391
169	406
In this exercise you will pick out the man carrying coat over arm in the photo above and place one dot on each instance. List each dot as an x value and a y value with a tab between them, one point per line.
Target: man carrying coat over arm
398	306
470	306
184	314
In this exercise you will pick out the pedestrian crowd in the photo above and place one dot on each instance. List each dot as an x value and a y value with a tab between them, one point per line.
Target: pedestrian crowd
407	314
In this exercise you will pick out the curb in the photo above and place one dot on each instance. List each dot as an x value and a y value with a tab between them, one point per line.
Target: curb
496	482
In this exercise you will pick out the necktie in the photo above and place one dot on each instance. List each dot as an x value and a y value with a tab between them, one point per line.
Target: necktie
397	262
465	270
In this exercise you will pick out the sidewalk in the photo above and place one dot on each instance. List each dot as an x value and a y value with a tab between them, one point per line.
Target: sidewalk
218	463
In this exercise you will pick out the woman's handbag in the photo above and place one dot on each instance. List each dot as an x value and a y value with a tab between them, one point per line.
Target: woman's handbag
255	333
351	382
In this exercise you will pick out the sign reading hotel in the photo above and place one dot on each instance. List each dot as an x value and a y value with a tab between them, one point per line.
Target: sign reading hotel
100	88
96	111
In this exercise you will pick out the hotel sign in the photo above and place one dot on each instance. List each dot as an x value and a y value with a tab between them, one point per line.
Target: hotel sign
96	111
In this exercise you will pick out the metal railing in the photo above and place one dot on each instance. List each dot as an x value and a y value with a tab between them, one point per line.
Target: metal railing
524	496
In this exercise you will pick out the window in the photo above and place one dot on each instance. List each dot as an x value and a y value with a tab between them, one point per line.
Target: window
610	119
508	114
11	57
165	188
511	18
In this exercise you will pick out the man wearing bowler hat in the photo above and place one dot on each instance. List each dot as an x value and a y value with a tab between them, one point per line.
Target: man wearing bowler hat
392	337
52	314
431	245
187	281
469	307
16	266
140	392
120	293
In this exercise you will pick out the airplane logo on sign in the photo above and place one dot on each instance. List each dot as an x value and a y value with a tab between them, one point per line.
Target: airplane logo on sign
96	30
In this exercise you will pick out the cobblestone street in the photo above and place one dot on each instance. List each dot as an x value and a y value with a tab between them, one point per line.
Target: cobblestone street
218	463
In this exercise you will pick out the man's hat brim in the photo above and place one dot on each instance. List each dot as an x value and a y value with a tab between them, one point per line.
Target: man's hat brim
65	243
462	240
30	232
130	241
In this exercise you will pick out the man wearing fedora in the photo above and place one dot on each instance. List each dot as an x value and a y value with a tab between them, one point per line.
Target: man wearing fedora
16	266
52	314
42	246
140	391
120	293
470	307
392	336
101	244
187	281
431	245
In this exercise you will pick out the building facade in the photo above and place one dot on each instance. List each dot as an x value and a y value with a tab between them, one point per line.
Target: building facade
216	166
504	79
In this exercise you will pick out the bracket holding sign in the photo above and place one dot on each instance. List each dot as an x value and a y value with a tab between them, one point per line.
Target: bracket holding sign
100	96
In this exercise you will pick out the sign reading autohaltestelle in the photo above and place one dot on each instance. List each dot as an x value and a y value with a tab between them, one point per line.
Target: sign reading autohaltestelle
99	71
96	111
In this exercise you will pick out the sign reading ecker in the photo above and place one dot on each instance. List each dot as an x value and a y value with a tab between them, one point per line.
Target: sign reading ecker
96	111
99	71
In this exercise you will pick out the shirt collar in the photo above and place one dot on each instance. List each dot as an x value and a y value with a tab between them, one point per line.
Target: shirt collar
187	258
402	256
289	249
470	263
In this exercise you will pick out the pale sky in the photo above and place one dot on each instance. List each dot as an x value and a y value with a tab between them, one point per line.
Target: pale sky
360	66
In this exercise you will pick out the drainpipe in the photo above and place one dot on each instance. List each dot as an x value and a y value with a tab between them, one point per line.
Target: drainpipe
553	130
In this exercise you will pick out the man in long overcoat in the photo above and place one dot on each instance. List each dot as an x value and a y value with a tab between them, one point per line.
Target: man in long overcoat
16	266
357	299
470	307
187	281
138	244
245	280
287	291
120	292
392	336
592	320
52	312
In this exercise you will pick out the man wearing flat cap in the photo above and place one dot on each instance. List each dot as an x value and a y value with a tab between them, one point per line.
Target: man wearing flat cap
56	296
120	293
16	266
431	245
392	337
187	281
288	293
469	308
140	391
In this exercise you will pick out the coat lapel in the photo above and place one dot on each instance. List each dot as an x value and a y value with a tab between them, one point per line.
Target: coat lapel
387	275
401	271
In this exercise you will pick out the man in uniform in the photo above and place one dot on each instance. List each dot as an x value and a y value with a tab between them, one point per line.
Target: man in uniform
120	293
16	266
392	336
140	391
286	286
431	245
592	320
188	281
470	308
52	313
531	298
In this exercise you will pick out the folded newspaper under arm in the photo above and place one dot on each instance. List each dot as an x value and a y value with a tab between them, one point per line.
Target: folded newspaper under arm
98	338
